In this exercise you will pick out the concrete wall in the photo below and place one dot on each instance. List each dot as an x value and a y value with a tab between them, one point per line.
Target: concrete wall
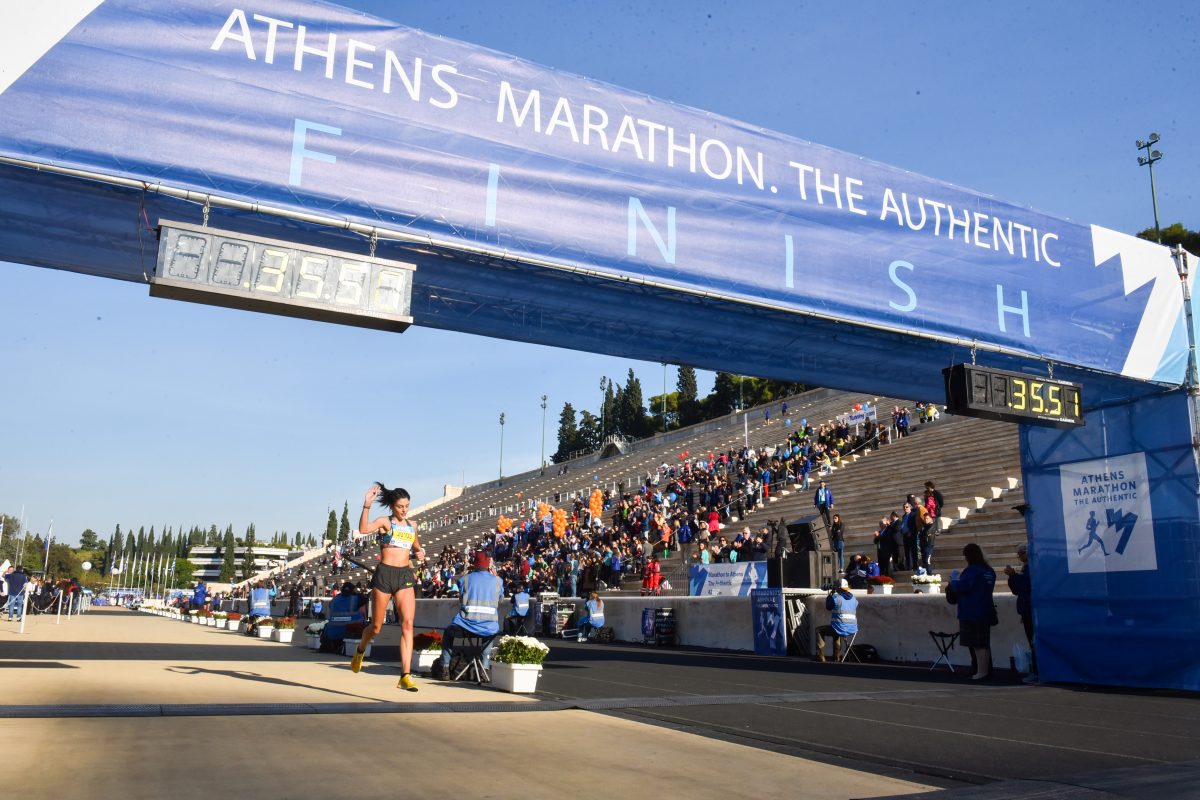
897	625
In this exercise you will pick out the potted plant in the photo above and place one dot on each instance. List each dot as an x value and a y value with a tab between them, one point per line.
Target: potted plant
927	584
221	618
234	620
880	584
313	632
352	638
427	648
285	628
266	627
517	663
193	616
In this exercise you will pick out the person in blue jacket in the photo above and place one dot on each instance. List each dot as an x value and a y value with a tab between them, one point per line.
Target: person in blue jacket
345	609
260	601
200	597
972	591
1020	584
593	616
843	620
479	592
823	500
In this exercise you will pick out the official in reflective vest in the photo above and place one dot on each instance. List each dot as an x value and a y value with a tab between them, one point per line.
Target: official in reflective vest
843	620
344	609
260	601
480	593
520	608
593	618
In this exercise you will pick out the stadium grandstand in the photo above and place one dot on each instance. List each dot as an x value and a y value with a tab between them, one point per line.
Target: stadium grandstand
974	463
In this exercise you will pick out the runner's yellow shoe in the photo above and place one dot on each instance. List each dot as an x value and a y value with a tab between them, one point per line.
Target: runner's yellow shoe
407	683
356	662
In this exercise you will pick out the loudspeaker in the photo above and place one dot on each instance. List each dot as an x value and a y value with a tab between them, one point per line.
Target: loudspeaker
810	570
808	533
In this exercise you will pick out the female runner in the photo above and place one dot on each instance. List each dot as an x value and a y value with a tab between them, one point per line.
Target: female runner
394	578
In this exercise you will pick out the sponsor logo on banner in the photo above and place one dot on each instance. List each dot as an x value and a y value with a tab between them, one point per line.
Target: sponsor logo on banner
727	580
1108	522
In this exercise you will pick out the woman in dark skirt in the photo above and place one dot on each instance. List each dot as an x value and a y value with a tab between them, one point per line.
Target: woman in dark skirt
973	590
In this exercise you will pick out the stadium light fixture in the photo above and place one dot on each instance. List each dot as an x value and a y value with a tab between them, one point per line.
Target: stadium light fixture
1148	161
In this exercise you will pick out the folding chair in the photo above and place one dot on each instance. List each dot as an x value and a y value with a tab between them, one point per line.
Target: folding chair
850	650
469	649
523	626
945	643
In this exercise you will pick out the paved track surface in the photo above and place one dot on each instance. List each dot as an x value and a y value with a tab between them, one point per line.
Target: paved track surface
786	727
934	726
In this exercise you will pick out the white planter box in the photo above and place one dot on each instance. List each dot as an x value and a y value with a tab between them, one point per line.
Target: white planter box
423	660
266	631
314	642
350	645
880	588
517	678
284	634
927	588
191	618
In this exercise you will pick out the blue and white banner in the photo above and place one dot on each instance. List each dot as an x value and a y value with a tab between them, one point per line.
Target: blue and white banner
1107	518
726	580
1114	533
766	608
316	108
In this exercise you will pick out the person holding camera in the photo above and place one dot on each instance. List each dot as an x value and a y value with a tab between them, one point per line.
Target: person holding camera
843	620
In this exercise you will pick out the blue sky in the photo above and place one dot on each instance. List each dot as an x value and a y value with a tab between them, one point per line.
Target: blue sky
1038	104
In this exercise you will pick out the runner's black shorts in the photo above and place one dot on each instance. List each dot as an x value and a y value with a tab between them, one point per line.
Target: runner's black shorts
389	579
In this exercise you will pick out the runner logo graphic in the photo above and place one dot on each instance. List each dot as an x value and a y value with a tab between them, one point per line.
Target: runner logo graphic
1107	520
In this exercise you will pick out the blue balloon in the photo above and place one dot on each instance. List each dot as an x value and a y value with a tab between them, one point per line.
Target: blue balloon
804	422
788	422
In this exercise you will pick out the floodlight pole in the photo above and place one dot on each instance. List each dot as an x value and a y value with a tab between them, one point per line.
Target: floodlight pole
1148	161
1192	379
543	435
501	448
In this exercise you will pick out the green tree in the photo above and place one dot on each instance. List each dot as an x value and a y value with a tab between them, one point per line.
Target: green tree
89	540
248	557
129	551
344	527
631	413
724	396
608	411
184	570
688	396
331	527
228	564
568	434
1176	234
589	431
656	411
62	563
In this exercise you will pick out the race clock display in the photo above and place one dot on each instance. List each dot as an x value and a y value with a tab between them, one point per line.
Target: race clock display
235	270
976	391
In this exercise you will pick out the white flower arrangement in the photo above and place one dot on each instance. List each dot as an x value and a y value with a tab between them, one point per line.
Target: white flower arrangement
924	579
520	650
193	612
315	628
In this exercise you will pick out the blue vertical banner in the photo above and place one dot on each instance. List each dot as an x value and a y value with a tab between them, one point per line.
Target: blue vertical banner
766	608
1114	526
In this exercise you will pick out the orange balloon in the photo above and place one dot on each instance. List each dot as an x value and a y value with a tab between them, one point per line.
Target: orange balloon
560	522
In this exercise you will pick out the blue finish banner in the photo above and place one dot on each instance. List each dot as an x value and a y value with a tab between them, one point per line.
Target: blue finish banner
319	109
726	580
766	607
1114	536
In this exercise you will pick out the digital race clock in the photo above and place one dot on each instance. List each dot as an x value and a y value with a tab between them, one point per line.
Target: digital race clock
976	391
235	270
